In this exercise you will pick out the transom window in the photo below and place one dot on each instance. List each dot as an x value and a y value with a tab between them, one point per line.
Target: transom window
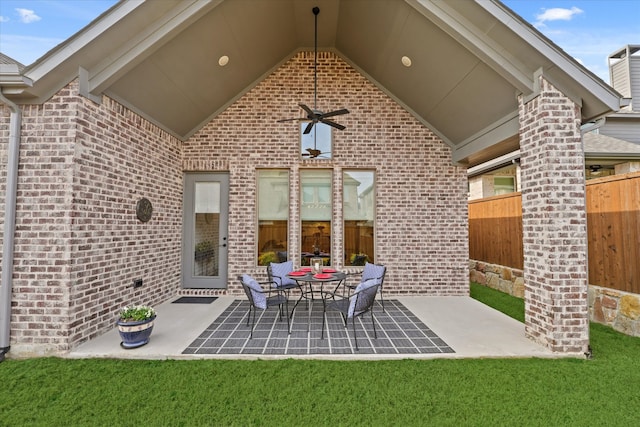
317	143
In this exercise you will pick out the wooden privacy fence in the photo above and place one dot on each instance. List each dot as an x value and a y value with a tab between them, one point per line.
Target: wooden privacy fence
495	230
613	227
613	221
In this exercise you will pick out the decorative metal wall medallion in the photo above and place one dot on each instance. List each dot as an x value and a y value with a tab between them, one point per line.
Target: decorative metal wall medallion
144	209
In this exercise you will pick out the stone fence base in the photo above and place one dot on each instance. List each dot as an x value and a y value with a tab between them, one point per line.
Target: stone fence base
505	279
618	309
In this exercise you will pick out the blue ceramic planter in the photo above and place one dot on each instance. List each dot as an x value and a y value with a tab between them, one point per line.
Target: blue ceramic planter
135	334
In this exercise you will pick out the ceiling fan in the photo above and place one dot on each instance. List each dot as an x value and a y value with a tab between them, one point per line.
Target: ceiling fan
313	153
316	116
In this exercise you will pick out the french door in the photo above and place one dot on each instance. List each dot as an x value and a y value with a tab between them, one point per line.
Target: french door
205	248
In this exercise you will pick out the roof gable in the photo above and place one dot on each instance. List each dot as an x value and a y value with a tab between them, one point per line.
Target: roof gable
469	61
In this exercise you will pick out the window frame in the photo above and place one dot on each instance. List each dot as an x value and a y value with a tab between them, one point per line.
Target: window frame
287	235
309	246
370	257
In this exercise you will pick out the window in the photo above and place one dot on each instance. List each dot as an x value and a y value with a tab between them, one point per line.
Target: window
317	143
503	185
273	216
315	215
358	207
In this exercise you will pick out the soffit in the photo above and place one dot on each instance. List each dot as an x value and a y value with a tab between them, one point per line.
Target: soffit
160	59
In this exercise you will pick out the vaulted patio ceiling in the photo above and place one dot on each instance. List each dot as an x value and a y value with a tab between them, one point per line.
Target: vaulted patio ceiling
470	59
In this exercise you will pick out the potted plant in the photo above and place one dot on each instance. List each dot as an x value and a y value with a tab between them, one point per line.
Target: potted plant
203	250
358	259
266	257
135	323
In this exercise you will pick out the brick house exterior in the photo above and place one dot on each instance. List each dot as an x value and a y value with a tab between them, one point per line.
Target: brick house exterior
84	165
78	242
100	131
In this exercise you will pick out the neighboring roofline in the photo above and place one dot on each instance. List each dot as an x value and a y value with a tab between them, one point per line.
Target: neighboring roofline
11	76
7	60
611	156
497	163
514	158
625	50
629	115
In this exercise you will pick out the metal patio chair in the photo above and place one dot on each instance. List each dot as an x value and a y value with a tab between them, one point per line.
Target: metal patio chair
277	273
372	271
259	299
355	305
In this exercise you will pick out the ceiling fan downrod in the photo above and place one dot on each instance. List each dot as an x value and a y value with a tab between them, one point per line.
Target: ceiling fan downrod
316	11
314	116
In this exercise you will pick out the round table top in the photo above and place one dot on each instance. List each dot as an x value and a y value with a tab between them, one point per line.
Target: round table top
310	277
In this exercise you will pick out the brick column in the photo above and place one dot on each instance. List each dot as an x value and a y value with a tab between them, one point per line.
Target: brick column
554	221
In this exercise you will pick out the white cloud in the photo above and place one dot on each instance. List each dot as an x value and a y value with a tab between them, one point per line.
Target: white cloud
557	14
27	16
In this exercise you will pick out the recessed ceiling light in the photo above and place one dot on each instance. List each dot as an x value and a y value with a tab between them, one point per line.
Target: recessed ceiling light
224	60
406	61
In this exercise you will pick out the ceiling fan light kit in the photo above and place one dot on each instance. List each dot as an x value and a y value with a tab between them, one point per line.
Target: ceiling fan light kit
315	116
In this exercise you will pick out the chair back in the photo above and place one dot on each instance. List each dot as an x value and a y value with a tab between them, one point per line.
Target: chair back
373	271
363	298
254	292
277	272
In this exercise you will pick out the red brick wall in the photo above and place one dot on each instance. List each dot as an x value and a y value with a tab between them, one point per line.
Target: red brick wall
421	227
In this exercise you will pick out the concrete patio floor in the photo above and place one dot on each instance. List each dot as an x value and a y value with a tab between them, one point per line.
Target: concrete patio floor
471	328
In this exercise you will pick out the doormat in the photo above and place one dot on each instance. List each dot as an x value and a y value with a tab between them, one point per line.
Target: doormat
195	300
399	332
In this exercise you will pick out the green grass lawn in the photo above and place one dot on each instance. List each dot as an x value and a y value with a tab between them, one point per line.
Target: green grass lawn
604	391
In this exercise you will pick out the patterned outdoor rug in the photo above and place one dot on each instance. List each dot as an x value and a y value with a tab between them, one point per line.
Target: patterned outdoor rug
399	332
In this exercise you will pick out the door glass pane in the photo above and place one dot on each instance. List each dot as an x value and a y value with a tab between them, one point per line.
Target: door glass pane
359	214
207	226
315	214
273	216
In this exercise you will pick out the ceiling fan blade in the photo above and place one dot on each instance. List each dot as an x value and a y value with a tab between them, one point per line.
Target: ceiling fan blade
312	153
292	120
335	113
332	123
309	127
314	115
307	110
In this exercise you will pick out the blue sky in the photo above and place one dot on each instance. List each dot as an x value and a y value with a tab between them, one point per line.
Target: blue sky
588	30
